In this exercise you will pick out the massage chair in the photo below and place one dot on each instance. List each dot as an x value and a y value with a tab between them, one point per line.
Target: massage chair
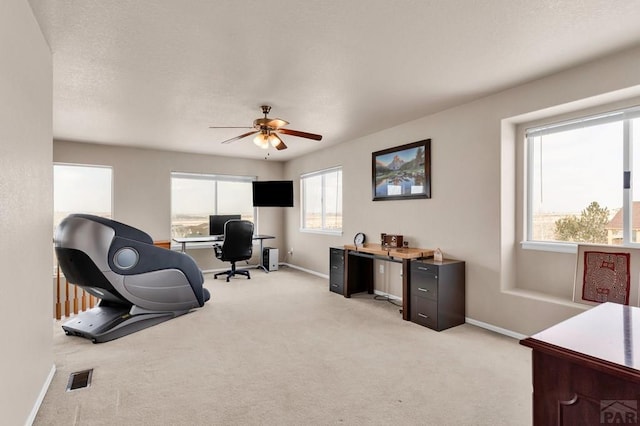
138	284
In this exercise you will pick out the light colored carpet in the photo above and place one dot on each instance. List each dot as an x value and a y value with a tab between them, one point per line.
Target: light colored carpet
280	349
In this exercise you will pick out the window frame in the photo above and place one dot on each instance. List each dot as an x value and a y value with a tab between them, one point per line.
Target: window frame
624	115
323	230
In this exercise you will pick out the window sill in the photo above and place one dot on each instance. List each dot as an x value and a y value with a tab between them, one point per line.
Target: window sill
321	231
547	246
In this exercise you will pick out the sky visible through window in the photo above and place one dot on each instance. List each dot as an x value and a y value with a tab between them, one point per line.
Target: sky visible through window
574	168
81	189
322	200
198	197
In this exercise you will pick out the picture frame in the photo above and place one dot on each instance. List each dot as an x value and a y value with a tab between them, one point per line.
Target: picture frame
582	278
402	172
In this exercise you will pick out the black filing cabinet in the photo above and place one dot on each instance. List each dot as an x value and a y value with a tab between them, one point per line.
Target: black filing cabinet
336	270
437	296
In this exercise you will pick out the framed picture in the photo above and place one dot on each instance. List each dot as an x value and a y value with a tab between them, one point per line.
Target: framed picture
402	172
607	274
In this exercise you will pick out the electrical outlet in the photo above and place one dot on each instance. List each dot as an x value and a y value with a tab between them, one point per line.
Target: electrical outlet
381	268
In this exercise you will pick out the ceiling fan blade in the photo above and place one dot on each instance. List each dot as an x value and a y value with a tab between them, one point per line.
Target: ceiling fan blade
300	134
244	135
230	127
280	146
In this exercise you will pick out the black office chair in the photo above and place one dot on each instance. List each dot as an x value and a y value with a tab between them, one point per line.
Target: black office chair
237	246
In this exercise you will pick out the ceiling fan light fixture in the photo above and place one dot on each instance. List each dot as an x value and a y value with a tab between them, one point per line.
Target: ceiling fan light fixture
262	140
274	140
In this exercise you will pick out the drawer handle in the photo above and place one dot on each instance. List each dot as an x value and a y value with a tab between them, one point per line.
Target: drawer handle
422	268
334	285
423	289
423	315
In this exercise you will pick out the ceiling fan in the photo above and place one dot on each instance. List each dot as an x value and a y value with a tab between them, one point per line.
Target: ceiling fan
267	130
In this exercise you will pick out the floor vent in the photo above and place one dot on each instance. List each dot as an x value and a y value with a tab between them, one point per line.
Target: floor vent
79	380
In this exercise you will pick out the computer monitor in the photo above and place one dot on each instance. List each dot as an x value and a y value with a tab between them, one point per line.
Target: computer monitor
217	221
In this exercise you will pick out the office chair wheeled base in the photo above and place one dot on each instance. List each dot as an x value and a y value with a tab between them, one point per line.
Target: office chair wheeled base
233	271
105	323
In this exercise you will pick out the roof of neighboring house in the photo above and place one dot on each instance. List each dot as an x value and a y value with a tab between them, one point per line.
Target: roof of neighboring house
616	221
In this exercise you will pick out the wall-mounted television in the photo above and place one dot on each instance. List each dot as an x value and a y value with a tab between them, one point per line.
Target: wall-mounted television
273	193
217	221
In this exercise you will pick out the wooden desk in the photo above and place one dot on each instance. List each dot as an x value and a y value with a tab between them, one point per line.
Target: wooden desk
376	251
586	370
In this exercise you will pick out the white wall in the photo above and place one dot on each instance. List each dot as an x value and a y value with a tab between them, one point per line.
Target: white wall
472	214
25	212
142	187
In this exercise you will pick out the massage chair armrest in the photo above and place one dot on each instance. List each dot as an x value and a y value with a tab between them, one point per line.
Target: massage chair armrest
217	249
153	258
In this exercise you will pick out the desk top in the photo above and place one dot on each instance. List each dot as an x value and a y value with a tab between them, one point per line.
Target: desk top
609	332
214	238
400	253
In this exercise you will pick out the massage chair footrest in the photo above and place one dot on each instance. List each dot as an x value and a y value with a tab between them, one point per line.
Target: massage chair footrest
104	323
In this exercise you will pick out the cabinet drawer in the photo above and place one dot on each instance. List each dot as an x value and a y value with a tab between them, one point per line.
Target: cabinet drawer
336	257
424	312
427	288
336	270
336	275
336	287
419	267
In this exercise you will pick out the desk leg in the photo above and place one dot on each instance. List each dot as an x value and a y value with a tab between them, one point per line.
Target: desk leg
261	258
345	279
406	270
184	247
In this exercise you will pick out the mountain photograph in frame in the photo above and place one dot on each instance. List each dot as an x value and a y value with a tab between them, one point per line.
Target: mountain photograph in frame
402	172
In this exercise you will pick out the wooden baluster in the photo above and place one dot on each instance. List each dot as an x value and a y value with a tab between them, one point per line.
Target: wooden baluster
67	306
58	304
84	300
92	301
75	300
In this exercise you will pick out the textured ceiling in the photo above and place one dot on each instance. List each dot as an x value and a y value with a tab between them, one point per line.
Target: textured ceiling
158	73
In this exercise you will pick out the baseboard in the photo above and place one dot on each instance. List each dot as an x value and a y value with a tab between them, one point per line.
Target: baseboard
43	392
308	271
494	328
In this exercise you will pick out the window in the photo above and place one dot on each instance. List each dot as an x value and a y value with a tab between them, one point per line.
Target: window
196	196
81	189
322	201
581	179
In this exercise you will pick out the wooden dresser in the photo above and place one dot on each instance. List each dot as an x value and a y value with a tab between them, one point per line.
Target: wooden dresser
586	370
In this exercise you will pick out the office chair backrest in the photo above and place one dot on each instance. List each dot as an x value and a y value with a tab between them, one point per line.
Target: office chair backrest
238	240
